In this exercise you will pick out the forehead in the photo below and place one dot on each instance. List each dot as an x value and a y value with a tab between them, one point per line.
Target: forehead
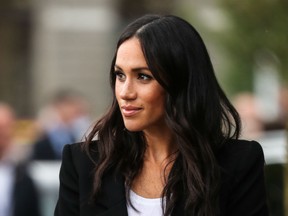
130	53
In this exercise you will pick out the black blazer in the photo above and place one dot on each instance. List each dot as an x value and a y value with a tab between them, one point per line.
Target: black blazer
242	191
25	197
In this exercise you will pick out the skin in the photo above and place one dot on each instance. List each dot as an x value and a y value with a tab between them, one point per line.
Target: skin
7	122
142	103
140	97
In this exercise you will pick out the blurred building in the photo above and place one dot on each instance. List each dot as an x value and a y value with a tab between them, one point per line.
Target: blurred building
48	45
72	43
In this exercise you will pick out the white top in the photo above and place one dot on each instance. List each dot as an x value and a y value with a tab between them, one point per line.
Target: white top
145	206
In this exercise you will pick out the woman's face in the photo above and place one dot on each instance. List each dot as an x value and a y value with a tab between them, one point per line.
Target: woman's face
140	97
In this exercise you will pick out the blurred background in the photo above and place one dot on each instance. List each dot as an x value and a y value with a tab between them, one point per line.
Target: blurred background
54	63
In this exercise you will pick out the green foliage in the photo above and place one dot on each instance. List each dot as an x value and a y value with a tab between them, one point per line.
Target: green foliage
257	26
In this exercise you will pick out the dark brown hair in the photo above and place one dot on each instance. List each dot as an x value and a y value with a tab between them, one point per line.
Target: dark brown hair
197	111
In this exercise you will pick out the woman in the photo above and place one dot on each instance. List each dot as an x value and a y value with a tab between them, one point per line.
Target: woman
168	144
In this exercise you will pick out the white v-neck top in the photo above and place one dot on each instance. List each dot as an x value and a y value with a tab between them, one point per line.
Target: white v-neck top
145	206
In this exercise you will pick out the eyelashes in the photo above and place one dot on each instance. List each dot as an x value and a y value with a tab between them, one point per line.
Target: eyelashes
140	76
119	75
143	76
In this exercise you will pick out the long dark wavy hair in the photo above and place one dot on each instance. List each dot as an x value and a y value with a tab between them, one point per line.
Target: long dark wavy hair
197	111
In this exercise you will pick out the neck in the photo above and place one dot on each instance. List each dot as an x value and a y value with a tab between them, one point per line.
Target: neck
160	145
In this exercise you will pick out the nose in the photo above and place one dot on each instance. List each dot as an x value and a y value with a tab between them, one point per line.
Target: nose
127	90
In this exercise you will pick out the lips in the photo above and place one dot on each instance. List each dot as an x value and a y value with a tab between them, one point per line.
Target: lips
129	111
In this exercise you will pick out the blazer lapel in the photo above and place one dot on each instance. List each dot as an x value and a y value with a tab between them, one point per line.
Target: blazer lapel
112	195
120	210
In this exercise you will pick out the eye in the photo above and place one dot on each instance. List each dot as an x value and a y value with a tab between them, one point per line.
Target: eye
119	75
145	77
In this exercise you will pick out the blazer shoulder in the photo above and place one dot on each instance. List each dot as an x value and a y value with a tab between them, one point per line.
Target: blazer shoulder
243	187
240	155
76	154
240	148
76	180
77	149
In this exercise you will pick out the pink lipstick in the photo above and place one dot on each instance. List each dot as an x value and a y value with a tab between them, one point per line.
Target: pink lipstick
129	111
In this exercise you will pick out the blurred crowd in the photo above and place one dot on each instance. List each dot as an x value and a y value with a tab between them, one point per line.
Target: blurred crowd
254	121
64	119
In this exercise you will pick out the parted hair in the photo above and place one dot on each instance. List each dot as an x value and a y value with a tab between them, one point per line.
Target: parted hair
197	111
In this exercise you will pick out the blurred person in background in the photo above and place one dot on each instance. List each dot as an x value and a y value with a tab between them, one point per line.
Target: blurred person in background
64	120
18	192
248	109
283	103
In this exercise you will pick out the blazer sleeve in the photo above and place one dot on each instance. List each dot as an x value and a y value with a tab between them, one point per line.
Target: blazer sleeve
248	193
68	201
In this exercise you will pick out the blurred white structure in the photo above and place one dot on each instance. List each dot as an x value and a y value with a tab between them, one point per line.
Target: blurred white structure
274	145
267	85
72	48
46	176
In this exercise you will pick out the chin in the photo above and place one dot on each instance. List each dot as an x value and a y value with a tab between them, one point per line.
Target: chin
133	128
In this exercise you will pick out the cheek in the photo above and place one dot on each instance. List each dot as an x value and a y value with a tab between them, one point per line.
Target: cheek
116	91
156	100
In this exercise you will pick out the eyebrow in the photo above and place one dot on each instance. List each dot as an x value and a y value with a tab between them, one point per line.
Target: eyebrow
133	69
